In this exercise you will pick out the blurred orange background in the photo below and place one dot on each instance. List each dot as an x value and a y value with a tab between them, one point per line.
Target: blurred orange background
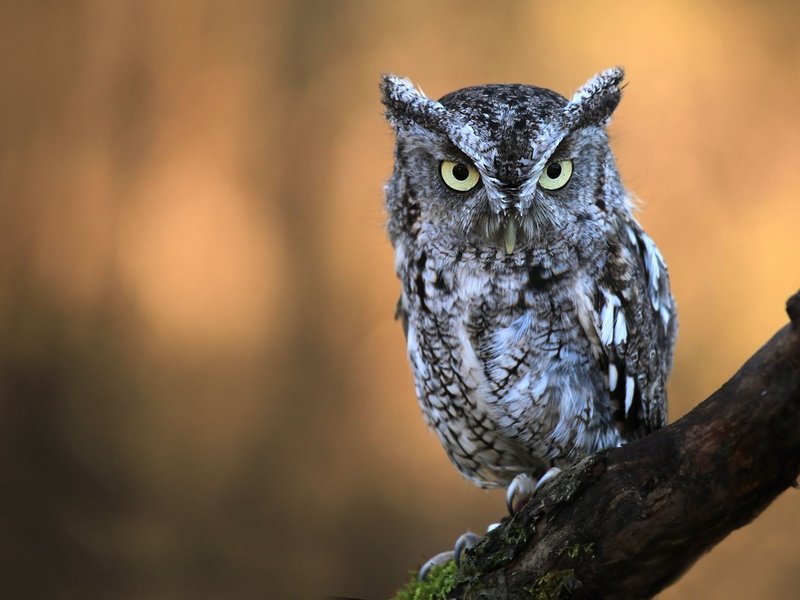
203	393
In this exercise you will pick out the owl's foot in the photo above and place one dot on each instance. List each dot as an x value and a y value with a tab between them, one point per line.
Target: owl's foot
523	487
464	542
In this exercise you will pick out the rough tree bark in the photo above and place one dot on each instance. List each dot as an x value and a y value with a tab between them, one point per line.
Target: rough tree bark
627	522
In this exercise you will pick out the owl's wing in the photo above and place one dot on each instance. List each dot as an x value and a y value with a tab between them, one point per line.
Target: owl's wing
634	318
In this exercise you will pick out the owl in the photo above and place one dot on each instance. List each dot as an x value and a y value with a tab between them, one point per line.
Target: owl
538	315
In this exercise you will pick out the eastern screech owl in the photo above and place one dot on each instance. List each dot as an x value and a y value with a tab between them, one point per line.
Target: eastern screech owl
538	314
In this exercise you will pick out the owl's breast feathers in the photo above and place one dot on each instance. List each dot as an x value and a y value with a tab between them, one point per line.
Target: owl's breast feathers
524	368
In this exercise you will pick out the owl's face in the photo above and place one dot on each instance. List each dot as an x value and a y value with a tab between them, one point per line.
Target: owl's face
503	167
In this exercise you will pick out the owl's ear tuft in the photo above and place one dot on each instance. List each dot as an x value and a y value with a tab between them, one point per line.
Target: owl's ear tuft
407	106
594	102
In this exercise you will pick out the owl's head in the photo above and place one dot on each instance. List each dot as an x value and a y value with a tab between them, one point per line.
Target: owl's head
503	167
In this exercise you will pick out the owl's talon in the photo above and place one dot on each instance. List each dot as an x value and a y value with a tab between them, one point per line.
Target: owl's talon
549	474
492	527
519	492
464	542
436	561
523	487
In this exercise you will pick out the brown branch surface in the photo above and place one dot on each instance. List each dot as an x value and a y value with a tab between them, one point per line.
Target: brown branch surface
627	522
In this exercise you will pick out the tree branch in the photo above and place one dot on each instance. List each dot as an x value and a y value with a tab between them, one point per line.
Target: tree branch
627	522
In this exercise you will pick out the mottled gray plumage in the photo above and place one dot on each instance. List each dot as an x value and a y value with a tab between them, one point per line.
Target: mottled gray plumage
539	320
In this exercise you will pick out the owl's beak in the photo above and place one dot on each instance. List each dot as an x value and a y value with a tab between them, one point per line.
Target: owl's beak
510	235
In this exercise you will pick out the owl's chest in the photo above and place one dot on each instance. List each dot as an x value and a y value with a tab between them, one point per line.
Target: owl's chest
491	327
493	354
484	297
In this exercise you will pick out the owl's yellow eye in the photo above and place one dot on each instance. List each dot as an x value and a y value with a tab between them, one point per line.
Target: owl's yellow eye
459	176
556	174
